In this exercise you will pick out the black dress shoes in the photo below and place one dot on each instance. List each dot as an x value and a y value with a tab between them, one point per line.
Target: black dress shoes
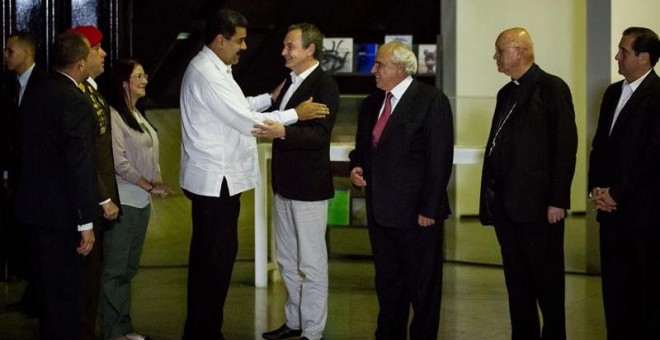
283	332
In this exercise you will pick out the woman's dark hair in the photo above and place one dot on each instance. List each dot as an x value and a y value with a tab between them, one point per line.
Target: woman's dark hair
117	96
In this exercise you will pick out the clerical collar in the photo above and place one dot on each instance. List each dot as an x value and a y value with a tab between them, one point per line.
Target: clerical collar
526	76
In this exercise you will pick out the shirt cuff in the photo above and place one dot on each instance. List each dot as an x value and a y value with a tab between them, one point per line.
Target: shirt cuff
263	101
86	226
105	202
289	117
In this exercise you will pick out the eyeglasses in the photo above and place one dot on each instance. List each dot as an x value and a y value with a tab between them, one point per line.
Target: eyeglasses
140	76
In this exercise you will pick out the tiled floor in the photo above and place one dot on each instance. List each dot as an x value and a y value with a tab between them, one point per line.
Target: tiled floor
474	303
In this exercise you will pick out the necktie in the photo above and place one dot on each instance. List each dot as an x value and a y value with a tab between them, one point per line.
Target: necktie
626	92
17	93
382	120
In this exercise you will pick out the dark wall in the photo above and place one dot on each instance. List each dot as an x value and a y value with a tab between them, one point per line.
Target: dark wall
147	30
44	19
156	26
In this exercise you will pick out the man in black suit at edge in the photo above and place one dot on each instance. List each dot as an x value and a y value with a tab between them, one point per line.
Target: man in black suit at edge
57	189
19	55
526	185
302	185
19	60
624	181
108	194
404	162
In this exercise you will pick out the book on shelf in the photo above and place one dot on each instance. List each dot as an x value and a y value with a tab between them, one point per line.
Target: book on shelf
339	208
426	58
404	38
358	212
365	57
337	55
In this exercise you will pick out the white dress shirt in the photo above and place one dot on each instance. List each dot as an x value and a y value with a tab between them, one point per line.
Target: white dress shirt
397	92
627	90
23	80
217	120
296	80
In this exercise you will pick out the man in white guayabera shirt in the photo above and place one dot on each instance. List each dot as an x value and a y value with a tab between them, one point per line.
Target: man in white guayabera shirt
218	162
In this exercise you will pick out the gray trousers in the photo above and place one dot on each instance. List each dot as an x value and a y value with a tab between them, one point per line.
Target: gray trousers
303	261
122	247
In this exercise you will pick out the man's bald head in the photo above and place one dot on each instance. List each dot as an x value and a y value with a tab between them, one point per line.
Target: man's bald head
517	35
514	52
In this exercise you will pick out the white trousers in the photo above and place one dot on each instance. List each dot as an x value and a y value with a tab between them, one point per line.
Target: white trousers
302	256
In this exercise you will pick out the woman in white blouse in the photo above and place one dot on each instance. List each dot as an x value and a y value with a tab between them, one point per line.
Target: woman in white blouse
135	151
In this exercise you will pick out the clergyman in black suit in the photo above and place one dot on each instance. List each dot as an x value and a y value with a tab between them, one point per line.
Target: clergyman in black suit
624	181
57	189
24	74
403	157
302	186
526	185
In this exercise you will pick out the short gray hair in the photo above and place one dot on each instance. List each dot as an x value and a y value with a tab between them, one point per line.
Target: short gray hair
310	35
402	54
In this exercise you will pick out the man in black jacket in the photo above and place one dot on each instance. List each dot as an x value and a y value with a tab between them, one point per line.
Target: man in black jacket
624	181
57	187
302	185
23	79
108	194
403	157
526	185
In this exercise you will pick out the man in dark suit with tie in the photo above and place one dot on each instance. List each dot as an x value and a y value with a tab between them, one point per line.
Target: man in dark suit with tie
403	158
108	194
526	185
624	181
24	75
302	185
19	60
57	188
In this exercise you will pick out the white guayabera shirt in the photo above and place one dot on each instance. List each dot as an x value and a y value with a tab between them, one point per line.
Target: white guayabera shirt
217	120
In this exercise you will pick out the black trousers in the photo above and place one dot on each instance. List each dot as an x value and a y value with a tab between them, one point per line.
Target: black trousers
629	259
13	251
91	281
213	250
533	259
58	273
408	266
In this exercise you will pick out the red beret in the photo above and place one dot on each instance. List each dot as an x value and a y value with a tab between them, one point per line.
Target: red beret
93	35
